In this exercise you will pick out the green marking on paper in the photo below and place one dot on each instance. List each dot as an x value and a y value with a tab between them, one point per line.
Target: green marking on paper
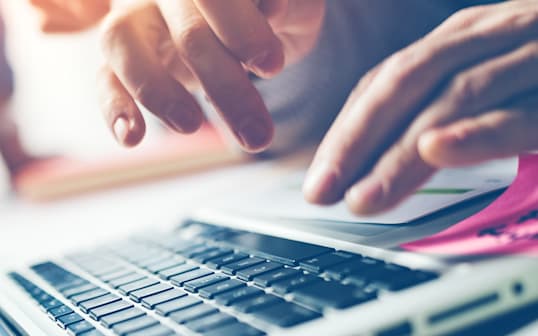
442	191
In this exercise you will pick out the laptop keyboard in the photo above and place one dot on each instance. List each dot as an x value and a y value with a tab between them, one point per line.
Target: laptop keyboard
205	279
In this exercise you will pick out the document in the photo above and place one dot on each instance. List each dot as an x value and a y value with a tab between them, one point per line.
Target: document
508	226
448	187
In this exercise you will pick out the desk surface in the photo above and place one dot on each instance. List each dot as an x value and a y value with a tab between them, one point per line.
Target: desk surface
28	230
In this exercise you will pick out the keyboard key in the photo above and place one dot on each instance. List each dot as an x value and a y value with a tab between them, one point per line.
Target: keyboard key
98	302
65	320
241	264
191	253
324	294
270	278
179	280
237	295
43	297
213	321
154	260
217	263
257	303
78	299
105	271
126	280
131	287
383	272
56	275
59	311
170	272
93	332
248	274
110	320
236	329
286	286
286	314
67	285
79	327
133	325
151	301
138	295
156	268
114	307
216	253
158	330
342	270
68	293
169	307
320	263
190	314
411	279
47	305
182	248
277	249
114	275
195	285
210	291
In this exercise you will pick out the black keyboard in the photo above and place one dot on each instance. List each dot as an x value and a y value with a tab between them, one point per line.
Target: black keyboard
209	280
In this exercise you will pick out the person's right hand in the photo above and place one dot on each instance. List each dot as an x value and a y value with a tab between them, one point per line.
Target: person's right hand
158	50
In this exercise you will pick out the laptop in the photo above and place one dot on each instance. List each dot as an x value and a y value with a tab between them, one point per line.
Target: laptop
225	272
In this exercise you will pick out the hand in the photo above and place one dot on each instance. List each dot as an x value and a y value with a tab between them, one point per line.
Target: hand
59	16
157	50
465	93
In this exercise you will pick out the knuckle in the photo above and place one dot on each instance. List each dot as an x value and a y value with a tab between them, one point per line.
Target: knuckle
399	65
464	90
112	29
190	39
406	64
527	19
467	17
531	50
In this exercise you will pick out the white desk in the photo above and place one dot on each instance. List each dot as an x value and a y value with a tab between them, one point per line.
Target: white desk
28	231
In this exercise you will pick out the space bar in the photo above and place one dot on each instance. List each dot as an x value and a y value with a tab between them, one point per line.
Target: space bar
278	249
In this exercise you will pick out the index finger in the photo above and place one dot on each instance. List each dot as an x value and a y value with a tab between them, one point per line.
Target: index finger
221	75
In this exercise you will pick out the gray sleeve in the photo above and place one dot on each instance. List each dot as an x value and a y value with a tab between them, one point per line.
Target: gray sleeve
357	34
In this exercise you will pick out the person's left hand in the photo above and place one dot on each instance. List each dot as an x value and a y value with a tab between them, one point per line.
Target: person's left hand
465	93
59	16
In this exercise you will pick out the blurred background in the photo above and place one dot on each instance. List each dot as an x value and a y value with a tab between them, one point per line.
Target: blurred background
55	99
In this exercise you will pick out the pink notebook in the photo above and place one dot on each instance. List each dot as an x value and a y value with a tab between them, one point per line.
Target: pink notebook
508	226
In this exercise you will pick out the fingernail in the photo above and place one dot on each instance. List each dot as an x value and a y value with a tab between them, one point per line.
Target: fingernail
257	63
262	64
121	129
255	135
366	197
321	183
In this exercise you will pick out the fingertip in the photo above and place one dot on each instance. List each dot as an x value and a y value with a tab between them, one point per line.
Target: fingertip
437	148
269	63
365	198
321	185
128	132
256	135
